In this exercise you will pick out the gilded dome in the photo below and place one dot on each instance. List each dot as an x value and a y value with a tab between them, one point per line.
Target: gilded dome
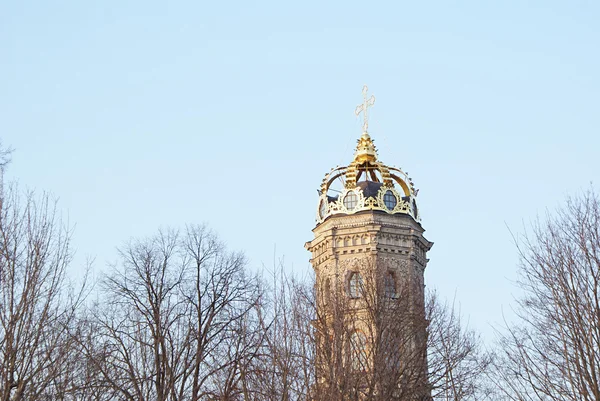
366	183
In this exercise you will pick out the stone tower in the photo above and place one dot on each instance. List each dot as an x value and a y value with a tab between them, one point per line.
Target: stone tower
369	256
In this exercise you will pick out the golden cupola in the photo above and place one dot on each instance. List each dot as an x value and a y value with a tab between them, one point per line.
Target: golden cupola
366	183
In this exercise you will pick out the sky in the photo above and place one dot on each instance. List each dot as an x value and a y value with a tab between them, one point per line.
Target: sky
140	115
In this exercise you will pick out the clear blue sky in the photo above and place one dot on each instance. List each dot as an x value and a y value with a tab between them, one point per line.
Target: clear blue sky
141	114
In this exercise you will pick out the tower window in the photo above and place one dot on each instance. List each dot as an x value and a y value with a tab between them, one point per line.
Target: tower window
390	285
358	351
350	200
327	291
323	208
390	200
355	285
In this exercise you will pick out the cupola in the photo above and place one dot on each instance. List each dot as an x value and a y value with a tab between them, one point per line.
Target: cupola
366	183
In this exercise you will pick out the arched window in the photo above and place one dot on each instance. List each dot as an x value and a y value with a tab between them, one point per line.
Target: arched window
327	291
414	209
390	200
350	200
390	285
358	351
355	285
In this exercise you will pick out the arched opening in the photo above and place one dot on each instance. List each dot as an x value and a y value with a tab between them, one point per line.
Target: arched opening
327	291
358	351
355	285
390	285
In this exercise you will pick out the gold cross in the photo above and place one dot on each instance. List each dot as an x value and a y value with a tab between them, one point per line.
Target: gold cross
363	108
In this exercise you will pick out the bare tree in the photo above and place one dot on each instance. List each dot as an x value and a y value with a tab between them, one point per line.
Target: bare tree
36	308
5	157
457	361
552	352
386	343
176	320
371	343
284	368
320	343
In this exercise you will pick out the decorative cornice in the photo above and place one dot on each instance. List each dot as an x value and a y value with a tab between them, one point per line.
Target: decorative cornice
365	219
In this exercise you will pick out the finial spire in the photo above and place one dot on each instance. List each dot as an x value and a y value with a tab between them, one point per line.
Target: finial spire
365	151
364	108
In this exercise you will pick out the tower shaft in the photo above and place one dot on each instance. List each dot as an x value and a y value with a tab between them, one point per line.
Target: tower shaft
369	256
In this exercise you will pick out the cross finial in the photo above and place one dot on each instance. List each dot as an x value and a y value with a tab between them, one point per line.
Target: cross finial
364	108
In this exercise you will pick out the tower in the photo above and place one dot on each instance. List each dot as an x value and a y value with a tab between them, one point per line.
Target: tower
369	257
